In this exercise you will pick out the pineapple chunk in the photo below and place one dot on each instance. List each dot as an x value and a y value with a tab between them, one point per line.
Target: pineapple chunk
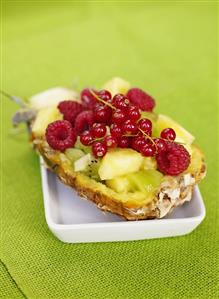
150	115
182	135
119	162
45	117
119	184
197	159
117	85
51	97
149	163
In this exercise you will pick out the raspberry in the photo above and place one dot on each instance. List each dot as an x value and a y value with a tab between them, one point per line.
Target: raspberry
174	159
84	121
70	110
60	135
141	99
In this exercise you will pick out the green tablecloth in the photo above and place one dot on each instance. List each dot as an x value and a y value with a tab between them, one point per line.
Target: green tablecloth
167	48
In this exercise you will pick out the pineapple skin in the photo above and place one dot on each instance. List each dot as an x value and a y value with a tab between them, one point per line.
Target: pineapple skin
173	191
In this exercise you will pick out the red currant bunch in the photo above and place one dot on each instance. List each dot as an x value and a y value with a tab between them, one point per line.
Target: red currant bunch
104	122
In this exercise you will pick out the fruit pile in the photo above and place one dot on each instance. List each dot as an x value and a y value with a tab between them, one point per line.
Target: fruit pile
104	122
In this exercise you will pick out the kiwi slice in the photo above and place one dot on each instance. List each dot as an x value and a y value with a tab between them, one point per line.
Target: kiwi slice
146	181
92	169
74	154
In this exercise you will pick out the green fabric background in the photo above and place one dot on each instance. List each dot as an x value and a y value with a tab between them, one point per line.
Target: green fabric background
169	49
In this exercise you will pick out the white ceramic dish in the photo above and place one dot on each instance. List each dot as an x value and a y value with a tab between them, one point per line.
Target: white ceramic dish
74	220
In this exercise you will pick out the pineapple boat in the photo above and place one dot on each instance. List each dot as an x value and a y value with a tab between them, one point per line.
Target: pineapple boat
114	150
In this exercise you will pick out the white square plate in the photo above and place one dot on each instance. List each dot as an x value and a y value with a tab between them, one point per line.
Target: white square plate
74	220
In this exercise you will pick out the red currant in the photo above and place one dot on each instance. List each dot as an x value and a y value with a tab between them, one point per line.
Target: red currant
161	144
129	127
87	99
86	138
120	101
99	149
115	130
102	114
123	142
105	95
168	134
138	142
145	125
98	130
148	150
133	113
110	141
118	116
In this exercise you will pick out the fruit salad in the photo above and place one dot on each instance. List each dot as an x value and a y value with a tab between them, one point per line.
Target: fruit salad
115	150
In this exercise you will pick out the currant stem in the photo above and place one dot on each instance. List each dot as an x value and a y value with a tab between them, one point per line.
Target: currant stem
97	139
149	137
99	99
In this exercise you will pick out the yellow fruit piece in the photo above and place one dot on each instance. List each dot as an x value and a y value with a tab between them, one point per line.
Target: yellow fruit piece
150	115
43	118
117	85
52	97
149	163
119	162
134	199
119	184
182	135
197	160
